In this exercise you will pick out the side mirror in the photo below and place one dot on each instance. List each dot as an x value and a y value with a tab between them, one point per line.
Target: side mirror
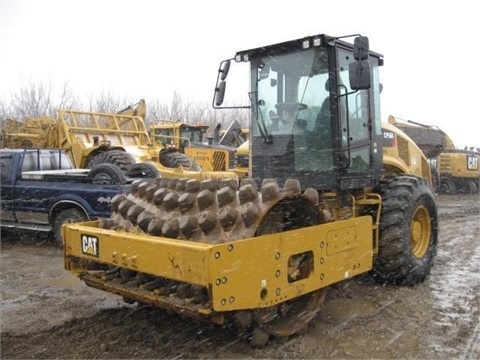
220	93
224	70
359	70
360	48
360	75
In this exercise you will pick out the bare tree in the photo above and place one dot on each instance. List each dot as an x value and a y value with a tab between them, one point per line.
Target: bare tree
36	99
107	102
5	111
67	98
32	100
194	113
174	111
200	114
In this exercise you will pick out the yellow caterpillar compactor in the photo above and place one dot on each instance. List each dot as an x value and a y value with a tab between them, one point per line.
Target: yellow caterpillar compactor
330	195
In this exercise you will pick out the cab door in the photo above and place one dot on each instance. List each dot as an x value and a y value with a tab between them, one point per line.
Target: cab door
359	127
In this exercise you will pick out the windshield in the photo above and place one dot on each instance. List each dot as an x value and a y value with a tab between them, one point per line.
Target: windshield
294	109
291	87
194	134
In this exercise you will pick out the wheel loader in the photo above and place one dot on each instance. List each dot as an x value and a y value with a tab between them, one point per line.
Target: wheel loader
331	195
212	152
454	169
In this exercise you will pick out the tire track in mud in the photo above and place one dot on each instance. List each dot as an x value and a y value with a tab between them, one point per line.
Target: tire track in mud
455	280
473	345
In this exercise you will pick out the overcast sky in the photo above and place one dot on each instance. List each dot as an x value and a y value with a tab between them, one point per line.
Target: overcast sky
149	49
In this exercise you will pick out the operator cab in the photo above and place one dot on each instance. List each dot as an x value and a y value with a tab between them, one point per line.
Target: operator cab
315	112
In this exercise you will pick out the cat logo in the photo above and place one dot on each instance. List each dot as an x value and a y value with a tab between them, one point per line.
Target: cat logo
472	163
90	245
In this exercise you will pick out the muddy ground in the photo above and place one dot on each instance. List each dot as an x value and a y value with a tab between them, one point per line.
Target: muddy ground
47	313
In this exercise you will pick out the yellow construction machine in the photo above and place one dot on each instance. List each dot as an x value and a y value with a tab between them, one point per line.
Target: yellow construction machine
400	156
242	159
455	169
91	138
31	133
88	138
211	151
330	195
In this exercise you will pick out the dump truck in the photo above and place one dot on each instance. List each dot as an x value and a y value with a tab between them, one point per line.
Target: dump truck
329	196
455	169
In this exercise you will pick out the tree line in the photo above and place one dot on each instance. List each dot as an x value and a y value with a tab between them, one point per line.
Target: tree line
37	99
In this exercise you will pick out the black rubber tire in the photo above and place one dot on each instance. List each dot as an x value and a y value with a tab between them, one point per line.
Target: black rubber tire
119	158
143	171
175	159
408	202
107	174
70	215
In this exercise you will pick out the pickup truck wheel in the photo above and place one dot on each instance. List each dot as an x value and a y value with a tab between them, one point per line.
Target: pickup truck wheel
107	173
64	217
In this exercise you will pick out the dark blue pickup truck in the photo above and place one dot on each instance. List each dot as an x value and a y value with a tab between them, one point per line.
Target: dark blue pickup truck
40	190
